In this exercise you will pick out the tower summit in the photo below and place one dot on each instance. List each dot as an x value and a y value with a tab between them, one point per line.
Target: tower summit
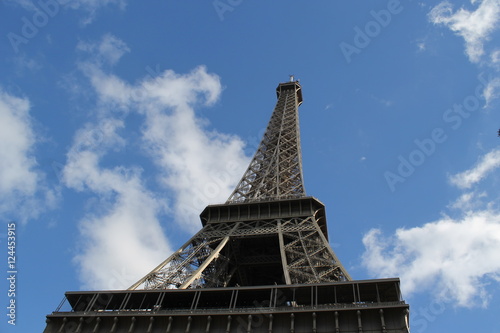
275	171
260	263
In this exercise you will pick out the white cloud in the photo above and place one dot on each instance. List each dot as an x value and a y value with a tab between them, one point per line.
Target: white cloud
474	26
469	201
492	90
23	194
92	6
485	165
195	166
495	57
26	4
109	50
22	62
122	237
201	166
17	139
455	258
89	6
421	43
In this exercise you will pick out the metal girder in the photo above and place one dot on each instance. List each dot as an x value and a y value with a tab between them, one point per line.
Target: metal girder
196	274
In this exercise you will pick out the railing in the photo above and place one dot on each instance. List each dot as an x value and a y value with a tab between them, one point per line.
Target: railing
250	309
267	198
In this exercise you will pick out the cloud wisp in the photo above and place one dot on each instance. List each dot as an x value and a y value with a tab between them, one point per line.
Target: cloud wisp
90	7
108	51
23	191
475	27
483	167
479	30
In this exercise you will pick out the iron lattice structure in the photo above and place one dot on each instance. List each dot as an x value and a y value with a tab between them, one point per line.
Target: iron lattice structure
275	171
268	232
261	263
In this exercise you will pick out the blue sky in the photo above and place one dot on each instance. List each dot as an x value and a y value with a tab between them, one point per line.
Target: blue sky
120	120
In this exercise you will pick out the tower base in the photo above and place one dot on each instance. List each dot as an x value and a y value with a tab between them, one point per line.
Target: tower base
352	306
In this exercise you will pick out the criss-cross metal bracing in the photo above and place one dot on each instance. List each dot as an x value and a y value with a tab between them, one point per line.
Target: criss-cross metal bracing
268	232
249	244
275	171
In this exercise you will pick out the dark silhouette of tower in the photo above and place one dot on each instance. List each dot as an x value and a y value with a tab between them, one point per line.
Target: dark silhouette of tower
261	263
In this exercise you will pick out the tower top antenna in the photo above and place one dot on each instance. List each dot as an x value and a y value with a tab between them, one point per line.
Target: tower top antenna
292	78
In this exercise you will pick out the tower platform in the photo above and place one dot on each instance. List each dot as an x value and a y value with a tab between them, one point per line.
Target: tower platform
353	306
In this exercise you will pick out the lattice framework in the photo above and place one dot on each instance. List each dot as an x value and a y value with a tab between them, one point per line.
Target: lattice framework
211	258
287	246
275	171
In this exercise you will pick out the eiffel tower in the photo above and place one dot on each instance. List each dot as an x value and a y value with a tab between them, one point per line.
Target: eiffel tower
261	263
